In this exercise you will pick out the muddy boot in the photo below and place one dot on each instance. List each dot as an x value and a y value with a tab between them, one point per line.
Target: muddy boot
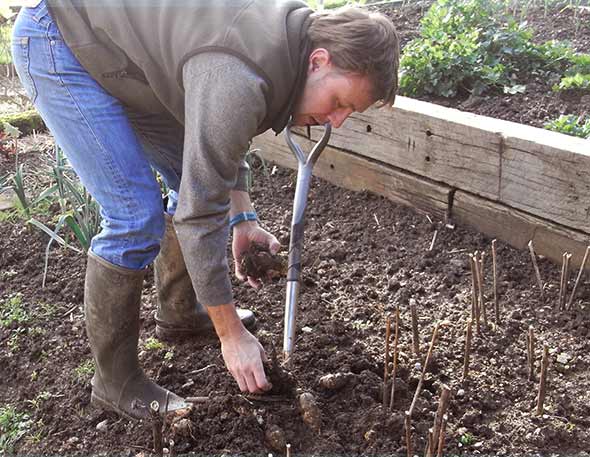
179	314
111	304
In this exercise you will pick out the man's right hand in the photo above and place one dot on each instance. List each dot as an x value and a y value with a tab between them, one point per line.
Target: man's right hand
242	352
243	356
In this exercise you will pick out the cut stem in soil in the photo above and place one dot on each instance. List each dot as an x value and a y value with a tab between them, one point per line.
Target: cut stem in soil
395	356
495	275
536	268
580	274
408	427
480	282
543	380
474	294
424	368
441	411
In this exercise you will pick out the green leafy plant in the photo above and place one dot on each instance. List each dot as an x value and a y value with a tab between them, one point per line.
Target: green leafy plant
13	426
85	370
471	46
78	211
12	311
576	82
467	439
153	344
571	124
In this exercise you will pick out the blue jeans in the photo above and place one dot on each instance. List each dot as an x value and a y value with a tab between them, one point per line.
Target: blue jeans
111	149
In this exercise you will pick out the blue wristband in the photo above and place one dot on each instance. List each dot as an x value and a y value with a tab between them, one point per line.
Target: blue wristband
242	217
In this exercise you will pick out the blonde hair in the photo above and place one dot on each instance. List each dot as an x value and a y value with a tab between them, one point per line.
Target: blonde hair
362	43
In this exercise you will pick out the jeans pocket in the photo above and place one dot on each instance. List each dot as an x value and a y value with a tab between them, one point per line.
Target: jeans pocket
20	55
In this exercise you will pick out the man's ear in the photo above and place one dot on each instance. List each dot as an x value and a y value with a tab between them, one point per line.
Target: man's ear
318	59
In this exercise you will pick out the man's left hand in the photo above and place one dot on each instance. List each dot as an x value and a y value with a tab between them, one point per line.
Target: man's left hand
244	234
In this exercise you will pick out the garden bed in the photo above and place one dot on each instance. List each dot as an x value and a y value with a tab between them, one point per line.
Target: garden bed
364	256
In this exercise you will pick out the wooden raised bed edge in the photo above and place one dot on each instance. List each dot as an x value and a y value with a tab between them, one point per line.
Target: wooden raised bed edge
464	167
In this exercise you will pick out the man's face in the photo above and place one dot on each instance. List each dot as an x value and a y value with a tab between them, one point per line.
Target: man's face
329	94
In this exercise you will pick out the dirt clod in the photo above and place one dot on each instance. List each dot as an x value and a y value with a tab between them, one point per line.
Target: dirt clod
258	263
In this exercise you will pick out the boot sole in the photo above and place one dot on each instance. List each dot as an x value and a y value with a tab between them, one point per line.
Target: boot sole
100	403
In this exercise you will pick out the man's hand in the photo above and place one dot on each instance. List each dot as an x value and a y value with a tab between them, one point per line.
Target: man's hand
243	356
244	234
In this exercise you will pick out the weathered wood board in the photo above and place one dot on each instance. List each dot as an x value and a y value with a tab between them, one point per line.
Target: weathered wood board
357	173
517	228
540	172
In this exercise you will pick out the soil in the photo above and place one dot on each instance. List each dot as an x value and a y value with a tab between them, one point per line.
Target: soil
539	103
363	257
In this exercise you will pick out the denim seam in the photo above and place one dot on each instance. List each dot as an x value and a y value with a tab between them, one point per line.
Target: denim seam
116	176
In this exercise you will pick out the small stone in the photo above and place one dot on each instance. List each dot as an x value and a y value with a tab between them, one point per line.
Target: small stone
103	426
418	366
73	440
564	358
370	435
461	393
307	330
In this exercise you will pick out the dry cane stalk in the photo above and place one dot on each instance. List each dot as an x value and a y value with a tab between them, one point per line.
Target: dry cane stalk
468	332
480	283
561	285
531	353
441	436
395	355
474	288
543	380
386	370
433	240
288	447
536	267
415	332
428	356
580	274
495	273
429	445
443	404
156	427
408	425
568	260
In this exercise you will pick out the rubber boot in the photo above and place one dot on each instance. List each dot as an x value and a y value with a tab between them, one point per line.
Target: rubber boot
180	315
111	305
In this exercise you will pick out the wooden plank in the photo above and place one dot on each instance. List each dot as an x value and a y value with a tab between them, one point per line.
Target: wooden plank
541	172
357	173
442	144
518	228
547	174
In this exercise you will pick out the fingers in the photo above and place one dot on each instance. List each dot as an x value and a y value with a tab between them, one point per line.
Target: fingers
253	380
274	246
254	283
241	276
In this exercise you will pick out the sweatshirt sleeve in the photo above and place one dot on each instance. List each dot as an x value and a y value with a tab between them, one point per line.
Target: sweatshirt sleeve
225	105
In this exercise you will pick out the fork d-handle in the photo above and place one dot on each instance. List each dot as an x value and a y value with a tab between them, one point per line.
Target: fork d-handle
304	173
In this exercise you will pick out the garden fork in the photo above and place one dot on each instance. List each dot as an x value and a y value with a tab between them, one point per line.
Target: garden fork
305	165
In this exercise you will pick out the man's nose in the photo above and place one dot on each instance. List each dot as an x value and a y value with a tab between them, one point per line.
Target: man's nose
338	117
